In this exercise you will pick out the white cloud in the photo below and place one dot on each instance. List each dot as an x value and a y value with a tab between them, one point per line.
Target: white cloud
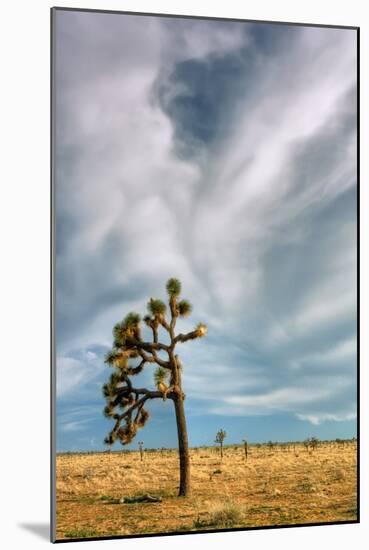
70	372
285	399
74	426
318	419
76	419
73	374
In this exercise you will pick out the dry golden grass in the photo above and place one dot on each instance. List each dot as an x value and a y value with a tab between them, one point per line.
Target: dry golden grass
274	487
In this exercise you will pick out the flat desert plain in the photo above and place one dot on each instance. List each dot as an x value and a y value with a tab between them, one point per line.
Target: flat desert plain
284	485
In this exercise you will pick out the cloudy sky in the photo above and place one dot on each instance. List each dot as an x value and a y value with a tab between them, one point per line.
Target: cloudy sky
222	153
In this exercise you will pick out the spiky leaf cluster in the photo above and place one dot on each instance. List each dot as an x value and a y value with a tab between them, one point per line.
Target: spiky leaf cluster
202	330
130	326
160	375
148	320
184	308
120	396
156	307
126	432
129	420
111	438
173	287
131	320
115	357
109	411
119	335
143	417
108	391
220	437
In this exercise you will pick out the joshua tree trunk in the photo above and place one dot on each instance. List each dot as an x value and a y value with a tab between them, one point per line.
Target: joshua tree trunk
184	457
221	450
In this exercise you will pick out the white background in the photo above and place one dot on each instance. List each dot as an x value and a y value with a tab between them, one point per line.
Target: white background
24	271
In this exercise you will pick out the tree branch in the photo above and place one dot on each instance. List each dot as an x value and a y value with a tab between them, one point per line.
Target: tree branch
154	329
157	359
174	314
164	324
147	346
146	358
147	395
154	358
185	337
132	371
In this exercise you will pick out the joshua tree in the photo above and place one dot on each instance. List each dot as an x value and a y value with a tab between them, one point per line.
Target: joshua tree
312	442
129	347
340	442
220	437
140	448
245	446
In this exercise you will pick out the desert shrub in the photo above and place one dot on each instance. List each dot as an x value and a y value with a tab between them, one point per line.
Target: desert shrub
221	515
338	475
88	473
306	487
65	474
81	533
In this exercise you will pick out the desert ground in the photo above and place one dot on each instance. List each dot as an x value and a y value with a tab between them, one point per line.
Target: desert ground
280	485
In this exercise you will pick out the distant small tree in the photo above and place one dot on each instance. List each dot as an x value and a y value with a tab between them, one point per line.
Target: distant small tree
140	447
245	448
220	437
311	443
340	442
128	347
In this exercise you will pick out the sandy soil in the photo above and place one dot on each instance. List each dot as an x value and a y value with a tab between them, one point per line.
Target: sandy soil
285	485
